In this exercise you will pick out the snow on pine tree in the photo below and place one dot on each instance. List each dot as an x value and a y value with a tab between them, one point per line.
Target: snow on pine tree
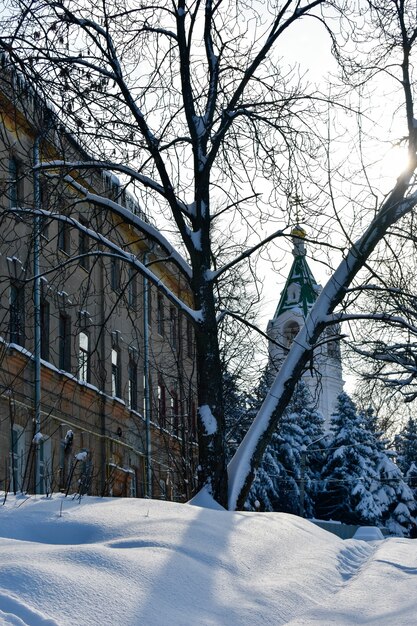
311	422
263	492
395	498
349	476
411	479
278	479
237	416
406	445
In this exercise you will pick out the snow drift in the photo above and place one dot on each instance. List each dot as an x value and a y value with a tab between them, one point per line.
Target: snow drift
124	562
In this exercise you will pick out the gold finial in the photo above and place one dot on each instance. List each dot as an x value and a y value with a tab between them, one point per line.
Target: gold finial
298	231
298	235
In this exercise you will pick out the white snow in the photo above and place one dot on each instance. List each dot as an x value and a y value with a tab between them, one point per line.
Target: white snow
123	562
368	533
38	438
208	419
196	239
81	456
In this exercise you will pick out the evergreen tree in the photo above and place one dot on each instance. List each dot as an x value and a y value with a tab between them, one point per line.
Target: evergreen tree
311	423
278	480
406	445
237	413
395	498
263	492
411	479
349	474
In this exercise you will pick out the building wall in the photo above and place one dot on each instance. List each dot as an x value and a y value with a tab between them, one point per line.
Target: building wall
89	299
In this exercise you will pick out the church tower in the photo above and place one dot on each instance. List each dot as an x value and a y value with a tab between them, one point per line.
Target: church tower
324	378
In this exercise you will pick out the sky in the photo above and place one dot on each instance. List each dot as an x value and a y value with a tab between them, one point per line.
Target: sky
125	562
308	46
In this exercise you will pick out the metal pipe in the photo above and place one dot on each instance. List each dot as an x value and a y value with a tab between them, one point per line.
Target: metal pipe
146	383
37	308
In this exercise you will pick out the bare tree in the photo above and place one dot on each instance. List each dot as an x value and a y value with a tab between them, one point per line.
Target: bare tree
191	104
382	350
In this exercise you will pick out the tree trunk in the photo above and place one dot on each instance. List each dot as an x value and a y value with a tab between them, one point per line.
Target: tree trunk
212	472
212	469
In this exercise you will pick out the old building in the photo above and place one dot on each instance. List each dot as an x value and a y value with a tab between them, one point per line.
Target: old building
324	376
97	384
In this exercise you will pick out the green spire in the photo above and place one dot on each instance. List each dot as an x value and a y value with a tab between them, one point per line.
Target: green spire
300	291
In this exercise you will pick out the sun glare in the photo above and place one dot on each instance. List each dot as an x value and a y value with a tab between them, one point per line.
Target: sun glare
394	162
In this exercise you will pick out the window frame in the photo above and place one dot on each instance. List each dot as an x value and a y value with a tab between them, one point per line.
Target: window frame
161	405
160	316
64	338
190	339
132	288
84	261
173	328
133	384
116	374
115	274
64	237
84	357
16	182
45	317
290	331
17	313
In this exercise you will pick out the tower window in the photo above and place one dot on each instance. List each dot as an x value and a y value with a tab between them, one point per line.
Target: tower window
293	292
291	330
333	349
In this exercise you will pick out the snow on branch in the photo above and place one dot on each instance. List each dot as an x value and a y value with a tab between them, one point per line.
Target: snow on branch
122	254
135	221
394	320
116	167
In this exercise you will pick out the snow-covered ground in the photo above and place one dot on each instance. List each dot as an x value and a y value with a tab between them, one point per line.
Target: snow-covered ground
121	562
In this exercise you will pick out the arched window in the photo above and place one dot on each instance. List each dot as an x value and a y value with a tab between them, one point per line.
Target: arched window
333	349
116	380
291	330
83	357
294	292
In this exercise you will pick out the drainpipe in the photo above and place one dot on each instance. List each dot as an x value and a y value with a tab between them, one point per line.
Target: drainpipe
146	383
102	370
37	309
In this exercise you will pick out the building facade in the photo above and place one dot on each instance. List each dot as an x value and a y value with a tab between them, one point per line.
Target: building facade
324	376
97	383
